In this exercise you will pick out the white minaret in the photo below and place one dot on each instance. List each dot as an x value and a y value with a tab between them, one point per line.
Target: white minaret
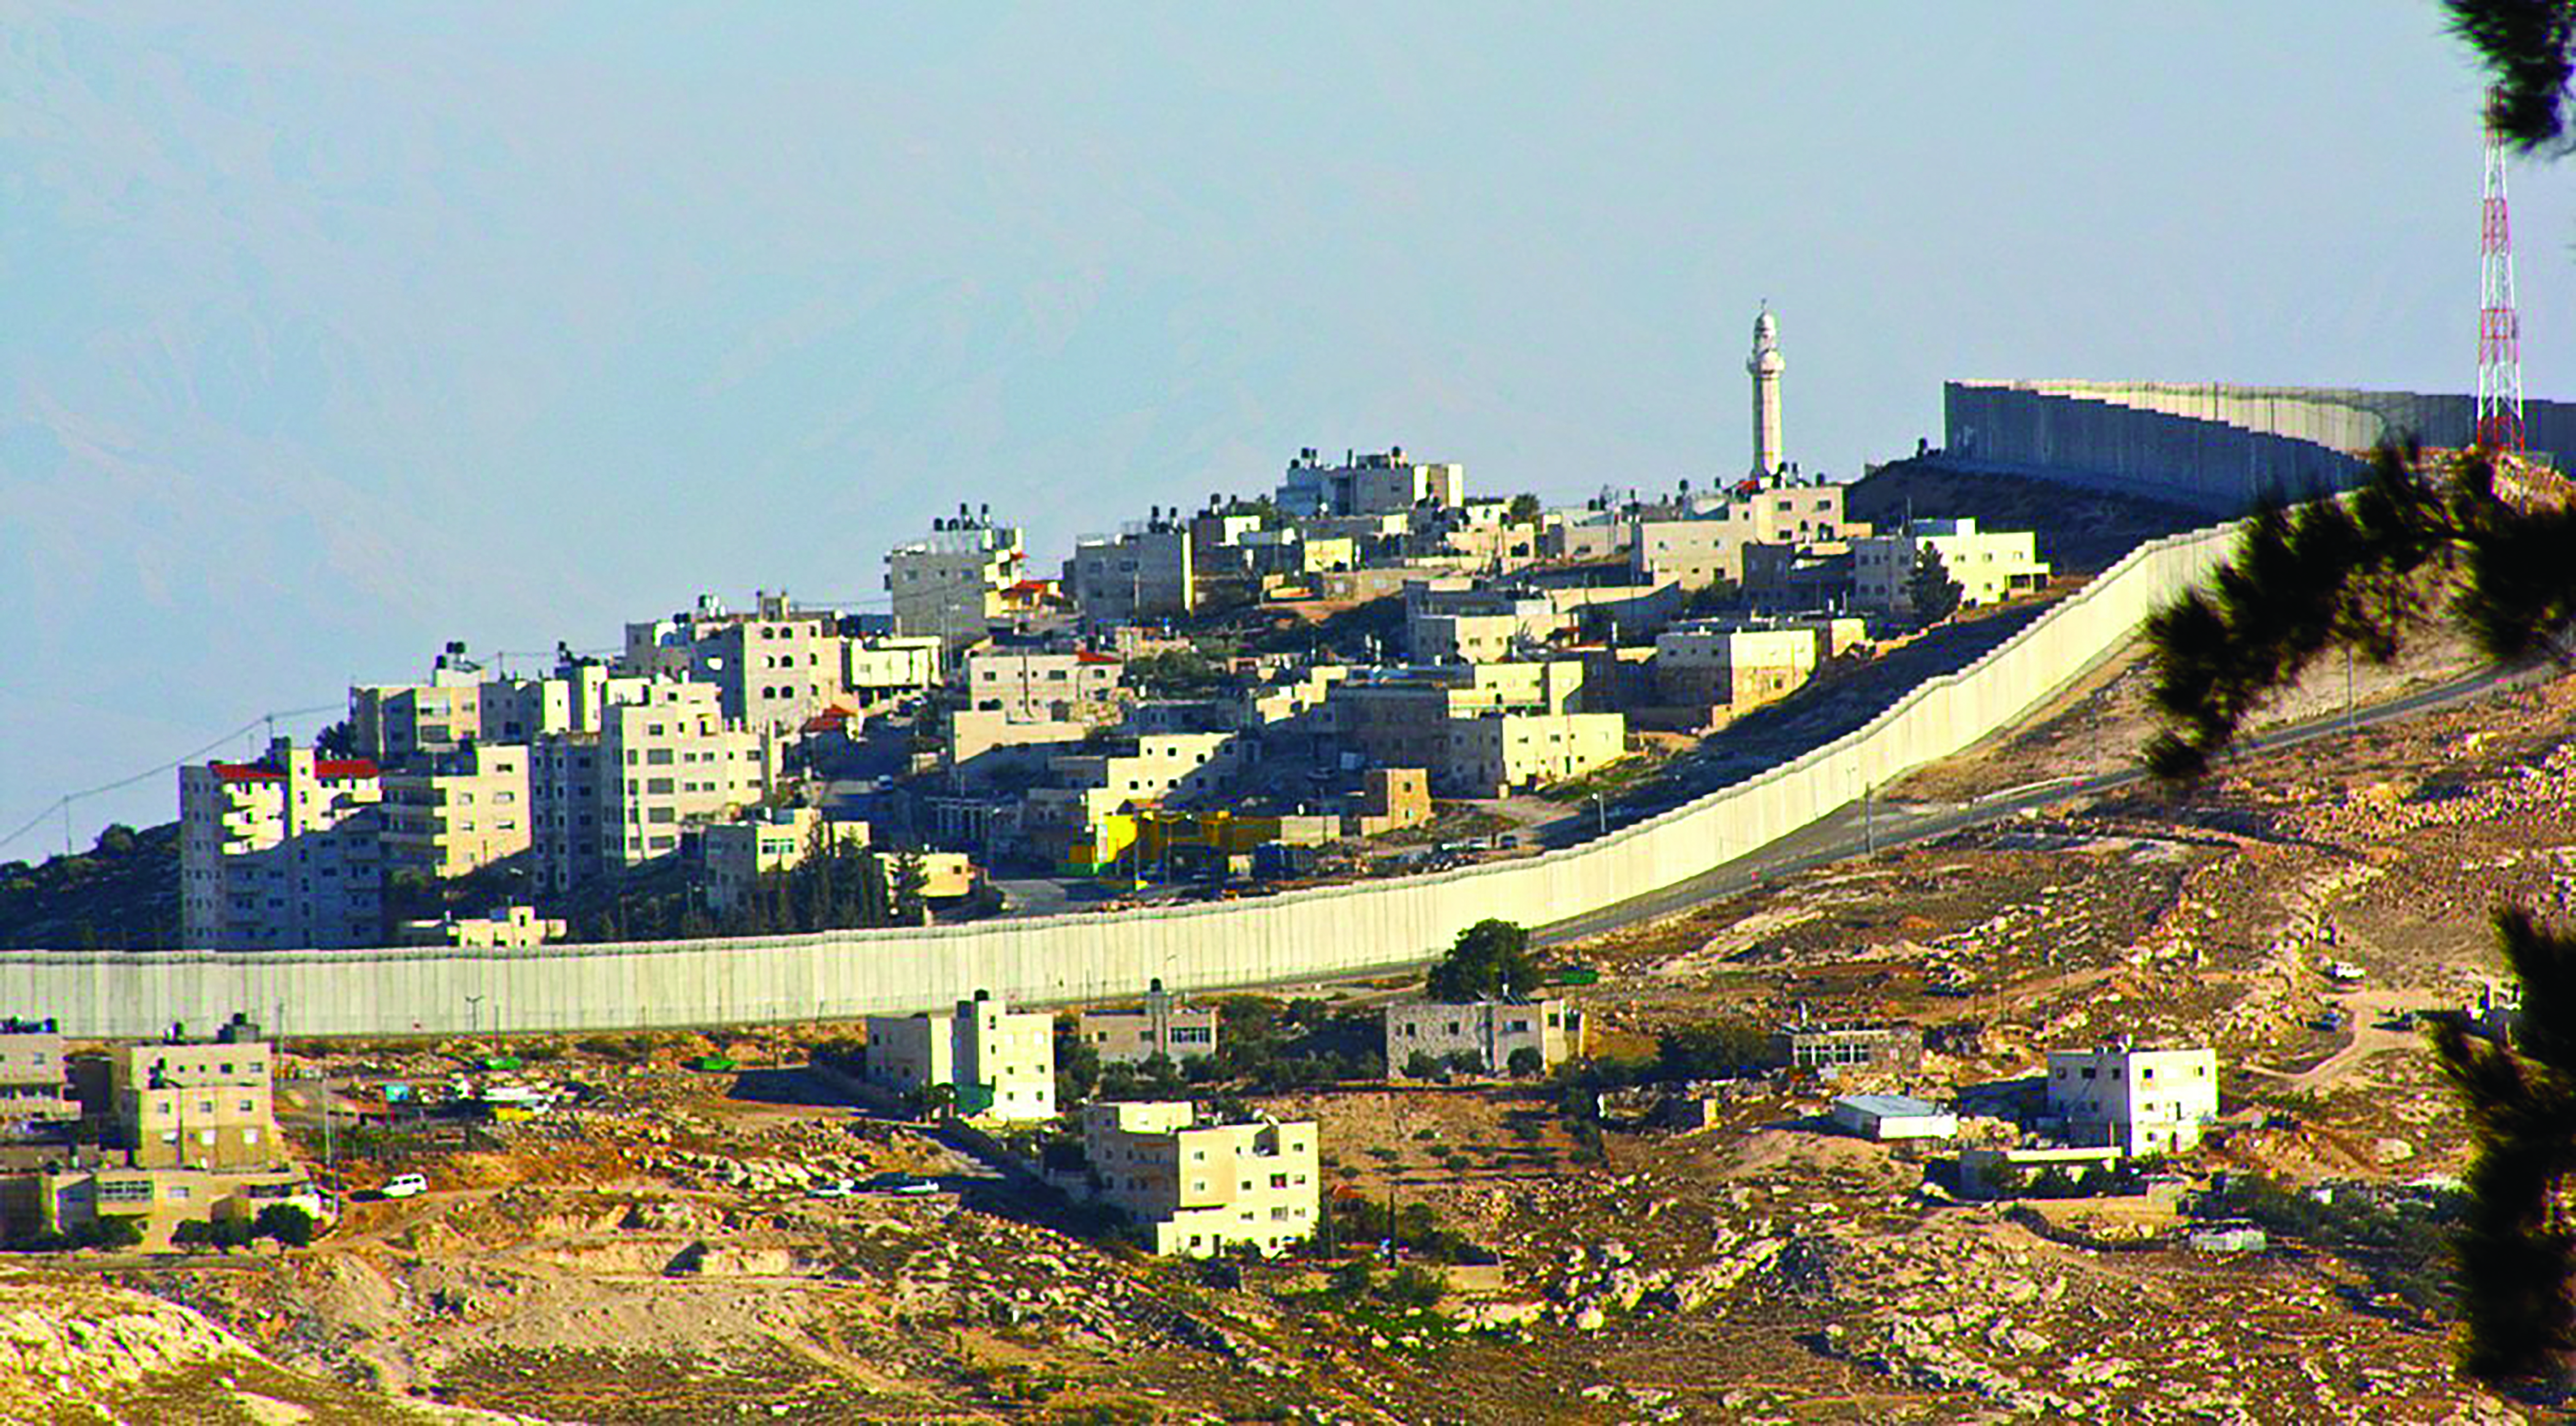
1766	364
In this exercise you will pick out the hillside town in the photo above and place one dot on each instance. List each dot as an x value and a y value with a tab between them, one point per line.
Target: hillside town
1369	668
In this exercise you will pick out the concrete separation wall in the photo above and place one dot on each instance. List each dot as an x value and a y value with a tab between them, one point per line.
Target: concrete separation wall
1055	960
2212	447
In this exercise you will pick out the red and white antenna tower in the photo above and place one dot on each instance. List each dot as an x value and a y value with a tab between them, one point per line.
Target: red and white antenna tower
2499	324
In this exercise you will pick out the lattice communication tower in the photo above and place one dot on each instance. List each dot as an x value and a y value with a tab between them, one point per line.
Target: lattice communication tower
2499	323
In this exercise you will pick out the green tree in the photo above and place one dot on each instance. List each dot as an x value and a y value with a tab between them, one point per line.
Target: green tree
1523	509
1490	960
1422	1064
2364	572
286	1223
1929	590
1526	1063
114	1232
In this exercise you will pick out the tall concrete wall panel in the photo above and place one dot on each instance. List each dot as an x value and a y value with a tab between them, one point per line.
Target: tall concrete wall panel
1266	940
2211	447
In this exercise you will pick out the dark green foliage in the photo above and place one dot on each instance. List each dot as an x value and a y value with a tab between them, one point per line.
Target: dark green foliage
834	887
1156	1077
1929	590
115	1233
1526	1062
2525	45
2407	1248
286	1223
1176	673
1524	508
2360	572
1489	960
2517	1257
1465	1062
1413	1285
1422	1064
340	740
1714	1049
121	894
1415	1227
1077	1067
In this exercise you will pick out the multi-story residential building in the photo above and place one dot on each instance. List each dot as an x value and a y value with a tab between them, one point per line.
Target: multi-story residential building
1477	728
572	699
393	722
1374	484
1714	661
1152	770
621	796
774	667
953	583
195	1104
1144	572
2140	1101
1039	686
887	665
281	853
1491	1030
732	856
995	1063
1196	1187
1389	798
1161	1026
451	812
34	1077
1989	565
1491	754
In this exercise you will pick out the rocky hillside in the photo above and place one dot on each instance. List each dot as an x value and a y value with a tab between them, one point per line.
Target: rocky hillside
78	1350
122	892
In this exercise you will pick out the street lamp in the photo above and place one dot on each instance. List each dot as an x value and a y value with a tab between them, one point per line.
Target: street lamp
474	1015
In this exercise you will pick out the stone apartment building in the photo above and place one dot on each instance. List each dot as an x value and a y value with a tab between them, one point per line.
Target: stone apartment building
190	1136
1708	662
997	1063
1160	1026
1990	565
1151	770
35	1078
732	856
1145	572
281	853
888	665
1044	686
773	667
621	796
1478	729
1491	1030
194	1104
2137	1100
1196	1187
1373	484
451	812
953	583
1494	754
391	723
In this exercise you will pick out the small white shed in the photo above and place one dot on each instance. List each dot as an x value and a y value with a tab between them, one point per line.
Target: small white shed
1893	1116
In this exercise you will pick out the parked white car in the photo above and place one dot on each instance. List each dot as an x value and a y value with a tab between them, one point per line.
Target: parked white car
406	1185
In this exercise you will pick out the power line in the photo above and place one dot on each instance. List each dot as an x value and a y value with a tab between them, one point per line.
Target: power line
63	804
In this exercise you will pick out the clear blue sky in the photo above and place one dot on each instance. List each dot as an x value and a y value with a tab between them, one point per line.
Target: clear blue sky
336	331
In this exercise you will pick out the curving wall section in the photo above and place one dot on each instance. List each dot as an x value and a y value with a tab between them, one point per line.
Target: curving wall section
2211	447
1267	940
